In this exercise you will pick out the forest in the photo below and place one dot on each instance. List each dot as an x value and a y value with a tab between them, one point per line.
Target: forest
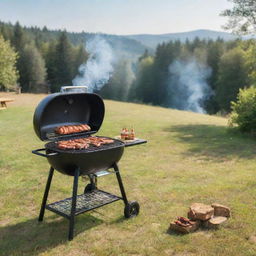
222	68
198	75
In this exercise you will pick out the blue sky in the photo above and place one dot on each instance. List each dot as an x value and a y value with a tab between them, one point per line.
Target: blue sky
117	16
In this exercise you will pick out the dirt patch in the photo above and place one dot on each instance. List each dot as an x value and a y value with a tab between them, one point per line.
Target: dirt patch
252	239
4	222
23	99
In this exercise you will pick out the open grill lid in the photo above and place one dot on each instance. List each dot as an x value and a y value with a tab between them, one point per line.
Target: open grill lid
60	109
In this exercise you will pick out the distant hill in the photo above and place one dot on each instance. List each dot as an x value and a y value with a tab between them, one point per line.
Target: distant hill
123	47
153	40
133	46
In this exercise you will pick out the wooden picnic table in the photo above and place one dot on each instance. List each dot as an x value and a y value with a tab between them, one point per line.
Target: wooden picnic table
3	102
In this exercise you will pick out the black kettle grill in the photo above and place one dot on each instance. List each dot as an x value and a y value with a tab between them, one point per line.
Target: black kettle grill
61	109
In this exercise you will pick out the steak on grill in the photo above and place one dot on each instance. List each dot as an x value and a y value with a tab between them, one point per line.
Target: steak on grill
83	143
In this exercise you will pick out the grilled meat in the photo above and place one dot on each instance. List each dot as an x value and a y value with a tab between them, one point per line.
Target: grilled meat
69	129
83	143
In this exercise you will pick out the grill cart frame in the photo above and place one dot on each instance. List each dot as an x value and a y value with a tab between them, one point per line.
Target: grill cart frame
92	197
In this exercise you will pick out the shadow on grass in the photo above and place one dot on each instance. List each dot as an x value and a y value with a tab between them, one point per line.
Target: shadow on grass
214	142
174	233
120	219
32	238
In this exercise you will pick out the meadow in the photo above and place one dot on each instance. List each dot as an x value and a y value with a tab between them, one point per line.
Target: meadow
189	158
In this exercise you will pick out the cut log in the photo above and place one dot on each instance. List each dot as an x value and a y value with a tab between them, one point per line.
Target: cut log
184	230
198	211
215	222
221	210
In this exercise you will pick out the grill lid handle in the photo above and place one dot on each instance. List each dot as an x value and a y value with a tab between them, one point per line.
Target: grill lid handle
36	152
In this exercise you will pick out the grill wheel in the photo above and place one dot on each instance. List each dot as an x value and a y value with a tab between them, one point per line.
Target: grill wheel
89	188
131	210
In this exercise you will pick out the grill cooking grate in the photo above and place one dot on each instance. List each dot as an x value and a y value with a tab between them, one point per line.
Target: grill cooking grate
53	146
85	202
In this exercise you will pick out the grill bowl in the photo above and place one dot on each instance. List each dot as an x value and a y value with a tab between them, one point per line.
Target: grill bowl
88	161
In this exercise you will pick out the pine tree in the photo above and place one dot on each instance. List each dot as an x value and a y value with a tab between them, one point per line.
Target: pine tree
165	55
214	52
19	38
49	56
63	63
33	72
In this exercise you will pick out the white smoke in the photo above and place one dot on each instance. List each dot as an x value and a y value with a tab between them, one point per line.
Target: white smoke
98	69
188	85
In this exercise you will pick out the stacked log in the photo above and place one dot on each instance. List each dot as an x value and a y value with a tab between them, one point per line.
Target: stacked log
198	211
201	215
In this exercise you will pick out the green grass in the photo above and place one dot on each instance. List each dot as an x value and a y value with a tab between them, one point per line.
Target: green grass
189	158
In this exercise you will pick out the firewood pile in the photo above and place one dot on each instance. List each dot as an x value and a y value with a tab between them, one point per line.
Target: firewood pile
201	215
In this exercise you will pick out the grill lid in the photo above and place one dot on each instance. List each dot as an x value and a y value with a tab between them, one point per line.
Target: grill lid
60	109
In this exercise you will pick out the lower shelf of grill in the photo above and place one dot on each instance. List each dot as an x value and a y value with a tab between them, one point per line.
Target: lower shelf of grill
85	202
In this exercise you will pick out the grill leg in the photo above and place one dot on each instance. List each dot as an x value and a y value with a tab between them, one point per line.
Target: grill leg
73	206
93	180
118	176
46	192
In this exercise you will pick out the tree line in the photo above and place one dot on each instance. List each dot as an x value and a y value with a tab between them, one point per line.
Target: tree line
44	60
41	60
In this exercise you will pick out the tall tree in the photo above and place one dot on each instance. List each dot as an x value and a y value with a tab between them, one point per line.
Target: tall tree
8	72
165	55
63	63
80	57
49	52
144	87
251	61
119	84
19	41
33	72
19	38
233	75
242	17
215	50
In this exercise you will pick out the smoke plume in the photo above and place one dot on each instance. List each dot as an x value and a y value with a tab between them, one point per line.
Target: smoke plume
99	67
188	86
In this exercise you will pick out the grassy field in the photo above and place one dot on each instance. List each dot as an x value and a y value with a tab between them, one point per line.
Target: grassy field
189	158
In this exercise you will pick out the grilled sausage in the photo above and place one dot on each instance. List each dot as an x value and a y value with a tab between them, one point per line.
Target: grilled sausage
68	129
